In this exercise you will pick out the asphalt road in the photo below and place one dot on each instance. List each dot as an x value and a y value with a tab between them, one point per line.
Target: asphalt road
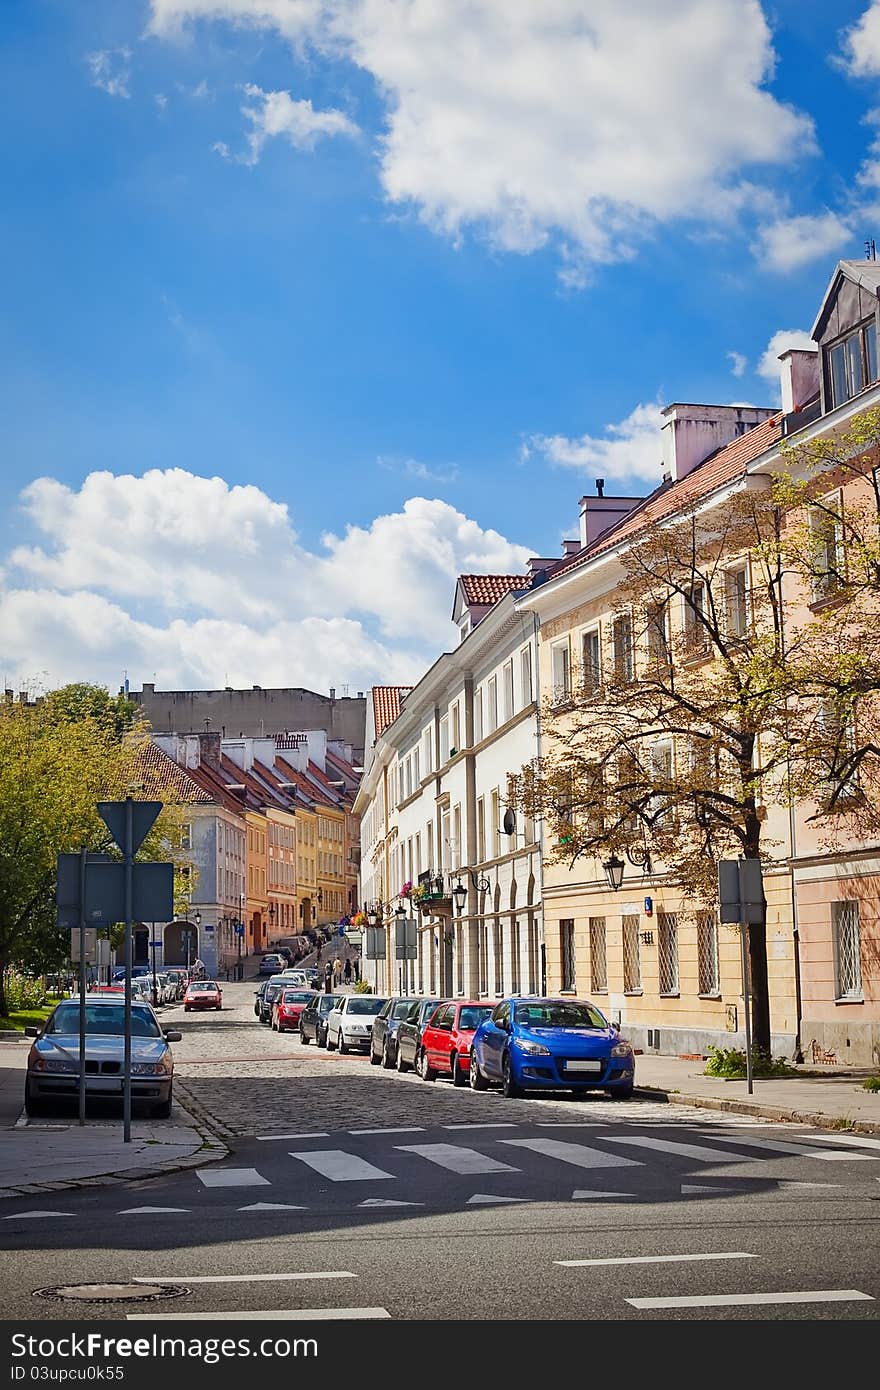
359	1189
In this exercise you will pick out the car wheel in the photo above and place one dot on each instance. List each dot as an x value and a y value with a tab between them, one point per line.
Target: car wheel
459	1075
162	1111
509	1086
32	1106
343	1046
402	1066
321	1039
476	1077
186	1008
425	1071
303	1039
331	1046
621	1092
374	1059
387	1057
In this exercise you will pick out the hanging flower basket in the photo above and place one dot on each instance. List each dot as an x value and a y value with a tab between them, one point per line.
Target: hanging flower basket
407	890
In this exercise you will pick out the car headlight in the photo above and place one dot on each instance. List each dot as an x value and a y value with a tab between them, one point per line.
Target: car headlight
621	1049
53	1064
534	1049
151	1068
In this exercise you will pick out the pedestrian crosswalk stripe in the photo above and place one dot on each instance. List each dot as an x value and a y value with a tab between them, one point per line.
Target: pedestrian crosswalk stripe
671	1146
734	1300
264	1315
249	1278
578	1154
698	1189
404	1129
142	1211
231	1177
857	1140
387	1202
505	1124
28	1215
339	1166
657	1259
457	1159
791	1183
584	1194
268	1138
272	1206
800	1150
486	1198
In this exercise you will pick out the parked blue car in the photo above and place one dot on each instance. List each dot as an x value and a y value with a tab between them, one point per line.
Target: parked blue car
551	1044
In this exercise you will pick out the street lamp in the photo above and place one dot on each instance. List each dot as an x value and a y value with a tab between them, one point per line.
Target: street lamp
459	894
614	871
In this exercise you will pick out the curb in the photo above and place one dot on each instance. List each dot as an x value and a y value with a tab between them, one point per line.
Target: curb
761	1111
210	1122
211	1151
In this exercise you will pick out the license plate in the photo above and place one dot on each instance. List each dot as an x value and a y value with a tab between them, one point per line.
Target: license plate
590	1066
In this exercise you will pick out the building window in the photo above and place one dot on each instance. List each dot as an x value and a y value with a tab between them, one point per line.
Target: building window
492	705
483	957
459	960
481	829
661	776
534	961
507	691
622	645
566	951
456	729
851	364
496	824
591	662
826	537
598	956
632	963
667	952
444	740
561	678
694	615
514	957
525	673
427	752
478	714
498	948
736	599
847	950
657	634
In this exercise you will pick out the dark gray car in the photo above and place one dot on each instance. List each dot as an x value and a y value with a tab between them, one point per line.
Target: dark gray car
383	1044
410	1029
313	1019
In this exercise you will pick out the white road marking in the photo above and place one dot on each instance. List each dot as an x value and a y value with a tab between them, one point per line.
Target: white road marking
577	1154
139	1211
268	1138
387	1202
568	1124
657	1259
404	1129
485	1198
30	1215
339	1166
734	1300
231	1177
505	1124
669	1146
804	1150
790	1183
859	1140
264	1314
272	1206
696	1190
584	1194
457	1159
244	1278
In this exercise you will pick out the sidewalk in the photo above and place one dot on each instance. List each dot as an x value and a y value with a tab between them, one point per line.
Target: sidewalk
50	1155
830	1099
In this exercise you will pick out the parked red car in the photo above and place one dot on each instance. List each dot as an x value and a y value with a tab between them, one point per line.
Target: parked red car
287	1008
446	1042
202	994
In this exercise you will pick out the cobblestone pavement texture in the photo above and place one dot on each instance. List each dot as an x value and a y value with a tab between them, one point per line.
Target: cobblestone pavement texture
242	1078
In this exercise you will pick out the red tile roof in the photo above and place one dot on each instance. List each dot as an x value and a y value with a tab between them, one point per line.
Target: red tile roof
721	467
387	701
489	588
166	780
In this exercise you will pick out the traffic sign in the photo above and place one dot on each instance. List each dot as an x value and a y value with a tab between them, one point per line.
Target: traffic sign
143	814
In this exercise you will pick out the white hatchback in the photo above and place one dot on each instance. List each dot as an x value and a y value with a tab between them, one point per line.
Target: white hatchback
350	1024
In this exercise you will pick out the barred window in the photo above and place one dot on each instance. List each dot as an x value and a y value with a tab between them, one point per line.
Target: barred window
632	964
707	955
498	945
566	948
483	957
534	982
459	960
598	956
514	957
847	950
667	950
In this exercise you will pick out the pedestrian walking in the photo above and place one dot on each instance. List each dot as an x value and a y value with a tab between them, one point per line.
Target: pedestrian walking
337	971
357	969
346	971
328	978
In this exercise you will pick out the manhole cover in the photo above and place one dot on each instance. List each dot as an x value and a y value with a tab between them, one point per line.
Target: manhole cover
112	1293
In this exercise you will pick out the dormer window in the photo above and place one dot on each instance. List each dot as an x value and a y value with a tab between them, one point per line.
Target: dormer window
851	363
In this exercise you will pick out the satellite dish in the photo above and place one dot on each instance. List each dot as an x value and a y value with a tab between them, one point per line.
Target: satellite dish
509	822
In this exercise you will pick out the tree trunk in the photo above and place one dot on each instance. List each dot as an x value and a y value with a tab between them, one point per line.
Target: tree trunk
760	992
4	1012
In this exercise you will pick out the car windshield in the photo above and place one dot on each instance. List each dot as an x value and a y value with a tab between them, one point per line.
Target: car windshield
295	996
365	1006
272	991
203	987
559	1014
328	1002
473	1017
401	1008
103	1019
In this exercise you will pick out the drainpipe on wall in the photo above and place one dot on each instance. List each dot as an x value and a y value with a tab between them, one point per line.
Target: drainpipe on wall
542	939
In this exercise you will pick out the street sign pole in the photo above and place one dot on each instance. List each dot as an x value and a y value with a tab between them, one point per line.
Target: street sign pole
83	861
744	937
128	859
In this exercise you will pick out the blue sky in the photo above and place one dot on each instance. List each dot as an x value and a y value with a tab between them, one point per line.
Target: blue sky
310	304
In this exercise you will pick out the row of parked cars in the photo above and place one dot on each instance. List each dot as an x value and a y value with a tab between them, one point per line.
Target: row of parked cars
522	1043
168	986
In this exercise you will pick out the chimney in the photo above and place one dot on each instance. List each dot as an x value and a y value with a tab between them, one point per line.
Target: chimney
148	687
333	692
209	749
9	696
536	564
570	547
692	432
799	377
600	487
360	694
600	512
22	697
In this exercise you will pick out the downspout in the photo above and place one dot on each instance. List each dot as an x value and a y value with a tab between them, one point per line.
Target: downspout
792	836
542	939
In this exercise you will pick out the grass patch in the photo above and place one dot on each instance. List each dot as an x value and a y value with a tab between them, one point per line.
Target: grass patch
19	1019
871	1083
730	1063
842	1122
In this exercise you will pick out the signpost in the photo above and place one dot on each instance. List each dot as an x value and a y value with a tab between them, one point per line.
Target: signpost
741	899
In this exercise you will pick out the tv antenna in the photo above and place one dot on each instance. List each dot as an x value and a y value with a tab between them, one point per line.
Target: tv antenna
870	250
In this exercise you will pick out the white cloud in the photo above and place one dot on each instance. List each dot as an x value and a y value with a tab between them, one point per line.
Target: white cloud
791	242
782	340
300	124
630	454
569	120
192	578
110	71
738	362
161	100
413	468
861	44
